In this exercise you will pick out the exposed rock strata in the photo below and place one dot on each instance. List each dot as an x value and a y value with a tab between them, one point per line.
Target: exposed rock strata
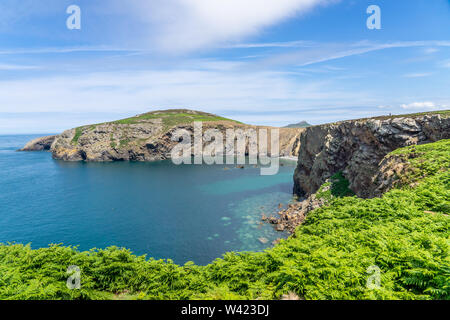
144	141
357	147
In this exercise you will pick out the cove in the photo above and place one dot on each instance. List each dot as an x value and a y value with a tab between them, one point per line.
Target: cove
184	213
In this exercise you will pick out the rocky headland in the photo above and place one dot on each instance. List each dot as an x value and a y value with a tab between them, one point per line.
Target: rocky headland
356	153
145	137
357	147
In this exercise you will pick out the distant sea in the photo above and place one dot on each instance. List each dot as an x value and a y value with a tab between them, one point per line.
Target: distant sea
184	213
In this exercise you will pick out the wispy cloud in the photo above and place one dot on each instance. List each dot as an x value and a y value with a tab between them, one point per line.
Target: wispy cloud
417	75
32	51
9	67
209	87
286	44
423	105
323	52
431	50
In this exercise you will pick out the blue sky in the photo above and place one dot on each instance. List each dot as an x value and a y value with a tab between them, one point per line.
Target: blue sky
269	62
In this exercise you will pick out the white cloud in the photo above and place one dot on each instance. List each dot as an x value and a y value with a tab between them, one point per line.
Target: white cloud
191	24
419	105
210	87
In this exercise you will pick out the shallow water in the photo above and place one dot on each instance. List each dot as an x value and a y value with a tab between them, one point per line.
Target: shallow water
184	213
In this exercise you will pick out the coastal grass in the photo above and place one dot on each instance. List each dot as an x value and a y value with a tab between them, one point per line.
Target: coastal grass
174	118
78	134
404	234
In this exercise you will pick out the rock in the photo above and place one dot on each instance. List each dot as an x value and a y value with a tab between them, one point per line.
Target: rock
263	240
273	220
39	144
357	147
290	296
296	213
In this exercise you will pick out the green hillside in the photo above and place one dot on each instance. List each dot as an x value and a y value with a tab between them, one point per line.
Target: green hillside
174	117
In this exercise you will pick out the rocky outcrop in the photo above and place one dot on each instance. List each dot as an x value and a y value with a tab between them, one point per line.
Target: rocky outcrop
357	147
149	137
295	214
39	144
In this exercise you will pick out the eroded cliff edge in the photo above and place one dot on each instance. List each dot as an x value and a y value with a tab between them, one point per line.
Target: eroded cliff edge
356	148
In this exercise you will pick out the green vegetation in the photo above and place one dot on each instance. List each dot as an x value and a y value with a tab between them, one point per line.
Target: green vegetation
338	187
172	118
123	143
405	233
425	160
78	133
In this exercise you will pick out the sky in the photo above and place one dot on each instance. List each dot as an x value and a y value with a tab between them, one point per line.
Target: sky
267	62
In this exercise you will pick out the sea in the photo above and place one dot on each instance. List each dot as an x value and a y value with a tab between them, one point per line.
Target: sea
158	209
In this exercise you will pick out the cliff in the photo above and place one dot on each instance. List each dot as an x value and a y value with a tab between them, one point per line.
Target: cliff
146	137
39	144
357	147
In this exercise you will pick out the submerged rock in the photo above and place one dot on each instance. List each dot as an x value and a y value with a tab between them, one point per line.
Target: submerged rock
263	240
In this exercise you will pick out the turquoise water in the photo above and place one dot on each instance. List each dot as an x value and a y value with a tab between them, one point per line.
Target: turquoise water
184	213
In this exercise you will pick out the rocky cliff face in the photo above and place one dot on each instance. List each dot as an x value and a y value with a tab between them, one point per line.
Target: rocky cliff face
357	147
148	137
39	144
